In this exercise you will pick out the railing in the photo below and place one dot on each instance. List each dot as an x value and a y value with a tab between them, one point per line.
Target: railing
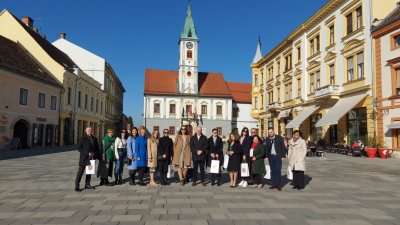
274	105
328	90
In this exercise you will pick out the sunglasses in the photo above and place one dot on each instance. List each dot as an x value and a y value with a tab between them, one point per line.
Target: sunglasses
166	132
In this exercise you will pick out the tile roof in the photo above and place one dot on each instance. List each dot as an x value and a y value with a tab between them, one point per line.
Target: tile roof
241	92
59	56
14	58
391	17
164	82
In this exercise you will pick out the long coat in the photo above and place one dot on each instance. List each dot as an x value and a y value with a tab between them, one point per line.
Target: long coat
280	146
152	153
131	152
141	151
259	153
85	147
297	154
234	160
198	144
216	149
178	148
165	146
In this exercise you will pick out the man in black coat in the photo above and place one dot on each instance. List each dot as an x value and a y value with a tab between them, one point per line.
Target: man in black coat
276	150
215	146
164	156
198	146
88	148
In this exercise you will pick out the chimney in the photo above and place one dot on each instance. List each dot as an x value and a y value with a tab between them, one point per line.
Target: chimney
44	36
36	30
28	21
63	35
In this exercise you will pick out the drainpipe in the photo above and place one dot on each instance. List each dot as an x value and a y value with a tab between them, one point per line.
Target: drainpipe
374	101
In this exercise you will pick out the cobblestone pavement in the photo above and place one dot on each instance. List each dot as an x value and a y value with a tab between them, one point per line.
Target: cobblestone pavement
342	190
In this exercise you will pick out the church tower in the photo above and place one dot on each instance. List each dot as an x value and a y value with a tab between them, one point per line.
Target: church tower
188	61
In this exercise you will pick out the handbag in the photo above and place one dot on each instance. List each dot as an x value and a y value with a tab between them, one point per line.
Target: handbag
267	171
289	173
160	157
214	166
91	169
226	161
244	168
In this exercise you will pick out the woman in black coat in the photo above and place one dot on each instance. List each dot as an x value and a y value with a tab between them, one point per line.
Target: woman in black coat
164	156
245	143
235	153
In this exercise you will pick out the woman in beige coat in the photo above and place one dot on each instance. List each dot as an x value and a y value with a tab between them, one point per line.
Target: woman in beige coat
182	154
152	143
297	159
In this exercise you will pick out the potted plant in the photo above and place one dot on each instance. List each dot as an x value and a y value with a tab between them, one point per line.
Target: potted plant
372	147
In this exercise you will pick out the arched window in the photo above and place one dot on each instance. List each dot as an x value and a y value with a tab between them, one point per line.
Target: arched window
189	54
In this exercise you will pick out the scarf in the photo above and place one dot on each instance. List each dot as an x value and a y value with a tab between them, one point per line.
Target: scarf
108	146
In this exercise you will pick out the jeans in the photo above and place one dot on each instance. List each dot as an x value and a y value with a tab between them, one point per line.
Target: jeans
119	166
196	165
275	162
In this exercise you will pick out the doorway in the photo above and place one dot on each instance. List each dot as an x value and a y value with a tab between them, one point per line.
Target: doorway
21	129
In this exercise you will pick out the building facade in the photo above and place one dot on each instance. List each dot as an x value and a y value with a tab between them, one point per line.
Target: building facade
82	99
97	68
320	78
29	106
387	71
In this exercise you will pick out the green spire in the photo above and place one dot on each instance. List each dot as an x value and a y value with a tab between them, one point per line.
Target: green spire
189	31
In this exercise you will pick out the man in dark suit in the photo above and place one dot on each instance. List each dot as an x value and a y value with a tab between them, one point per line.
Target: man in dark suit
88	147
198	146
275	148
215	146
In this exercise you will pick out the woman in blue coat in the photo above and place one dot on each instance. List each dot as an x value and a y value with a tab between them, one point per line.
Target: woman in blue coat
132	164
141	154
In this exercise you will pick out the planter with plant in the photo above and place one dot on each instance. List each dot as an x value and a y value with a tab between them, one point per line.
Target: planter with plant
372	147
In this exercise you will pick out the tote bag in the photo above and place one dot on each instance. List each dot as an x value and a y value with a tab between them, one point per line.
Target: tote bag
289	173
91	169
170	173
226	161
244	168
214	166
267	171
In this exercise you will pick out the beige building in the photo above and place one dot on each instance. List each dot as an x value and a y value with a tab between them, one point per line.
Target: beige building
29	103
82	102
387	71
319	79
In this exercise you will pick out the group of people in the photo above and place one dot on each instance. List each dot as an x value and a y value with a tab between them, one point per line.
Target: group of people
190	154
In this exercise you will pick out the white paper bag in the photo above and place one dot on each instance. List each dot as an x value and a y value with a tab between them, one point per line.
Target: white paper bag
214	166
226	161
91	169
244	168
267	171
170	173
289	173
251	152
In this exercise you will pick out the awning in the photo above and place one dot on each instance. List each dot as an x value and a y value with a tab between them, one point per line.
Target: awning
284	113
340	109
394	125
298	120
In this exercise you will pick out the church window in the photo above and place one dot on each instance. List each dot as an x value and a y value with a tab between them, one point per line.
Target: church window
219	110
156	108
189	54
189	74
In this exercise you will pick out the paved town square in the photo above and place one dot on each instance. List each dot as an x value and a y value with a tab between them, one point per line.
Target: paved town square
344	190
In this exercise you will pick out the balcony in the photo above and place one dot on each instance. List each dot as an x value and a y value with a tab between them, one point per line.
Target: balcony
274	106
331	90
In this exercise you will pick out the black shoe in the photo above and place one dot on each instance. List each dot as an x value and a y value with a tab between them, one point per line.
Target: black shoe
212	183
294	187
120	182
77	189
272	187
102	182
142	184
107	183
87	186
279	188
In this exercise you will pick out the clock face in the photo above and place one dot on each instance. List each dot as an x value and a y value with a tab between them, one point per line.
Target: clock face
189	45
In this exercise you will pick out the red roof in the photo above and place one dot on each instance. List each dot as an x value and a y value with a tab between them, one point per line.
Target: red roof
164	82
241	92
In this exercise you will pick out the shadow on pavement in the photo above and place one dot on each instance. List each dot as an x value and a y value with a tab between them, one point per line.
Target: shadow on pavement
20	153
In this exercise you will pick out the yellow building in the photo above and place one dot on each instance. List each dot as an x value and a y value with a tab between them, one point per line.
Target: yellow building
319	78
82	101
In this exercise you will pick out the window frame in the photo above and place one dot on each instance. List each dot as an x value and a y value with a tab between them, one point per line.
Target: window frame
41	104
156	105
53	102
22	95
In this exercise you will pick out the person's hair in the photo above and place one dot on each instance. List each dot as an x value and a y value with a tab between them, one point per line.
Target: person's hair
236	137
152	135
165	130
215	129
186	130
245	128
137	132
140	130
271	128
125	134
296	131
110	130
258	138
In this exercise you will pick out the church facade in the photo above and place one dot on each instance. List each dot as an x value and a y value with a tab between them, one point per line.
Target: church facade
173	98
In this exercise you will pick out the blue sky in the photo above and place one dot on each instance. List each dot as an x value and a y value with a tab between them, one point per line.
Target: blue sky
134	35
